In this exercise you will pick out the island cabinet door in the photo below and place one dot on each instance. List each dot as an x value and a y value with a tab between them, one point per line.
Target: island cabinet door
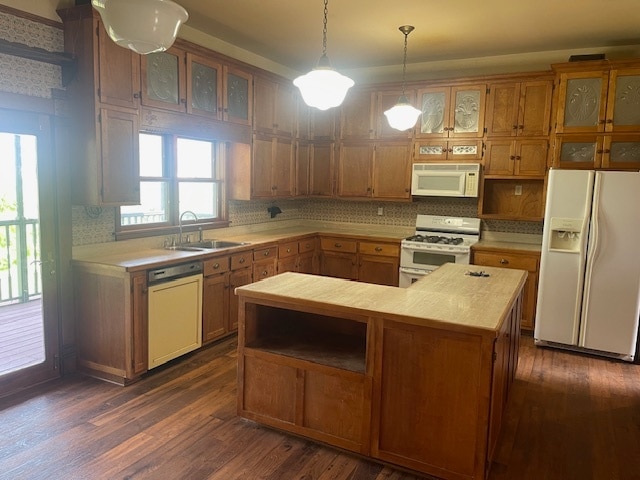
319	402
431	395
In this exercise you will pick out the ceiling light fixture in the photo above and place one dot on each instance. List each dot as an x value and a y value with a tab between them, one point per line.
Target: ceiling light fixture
144	26
323	87
402	116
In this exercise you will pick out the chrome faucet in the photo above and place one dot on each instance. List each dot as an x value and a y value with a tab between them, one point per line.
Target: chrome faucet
180	222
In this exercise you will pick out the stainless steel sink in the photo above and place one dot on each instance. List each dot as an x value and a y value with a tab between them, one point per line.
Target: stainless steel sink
206	245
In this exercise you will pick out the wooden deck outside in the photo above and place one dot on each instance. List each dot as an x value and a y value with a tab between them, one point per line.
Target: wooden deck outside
21	336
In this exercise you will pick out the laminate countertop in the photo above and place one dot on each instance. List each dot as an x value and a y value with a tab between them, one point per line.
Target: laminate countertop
447	298
134	259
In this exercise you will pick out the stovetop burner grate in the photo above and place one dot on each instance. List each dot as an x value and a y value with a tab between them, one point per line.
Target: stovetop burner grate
436	239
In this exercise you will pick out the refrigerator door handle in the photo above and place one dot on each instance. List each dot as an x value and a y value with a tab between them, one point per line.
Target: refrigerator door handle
593	248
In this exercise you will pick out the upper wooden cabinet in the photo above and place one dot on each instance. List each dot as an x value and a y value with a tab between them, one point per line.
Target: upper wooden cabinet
274	107
526	157
466	149
616	152
272	172
186	82
596	97
386	99
357	115
519	109
103	106
375	170
452	111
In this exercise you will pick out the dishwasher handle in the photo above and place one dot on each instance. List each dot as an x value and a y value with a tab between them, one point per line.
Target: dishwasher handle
174	271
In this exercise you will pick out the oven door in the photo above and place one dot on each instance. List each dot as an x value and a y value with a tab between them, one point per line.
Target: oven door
430	259
409	276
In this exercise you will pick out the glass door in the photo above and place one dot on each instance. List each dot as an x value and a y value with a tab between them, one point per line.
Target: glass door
28	287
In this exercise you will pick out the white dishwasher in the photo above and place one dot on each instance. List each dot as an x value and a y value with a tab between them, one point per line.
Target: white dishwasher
175	311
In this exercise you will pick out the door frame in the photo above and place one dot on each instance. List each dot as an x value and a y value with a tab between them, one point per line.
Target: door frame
41	125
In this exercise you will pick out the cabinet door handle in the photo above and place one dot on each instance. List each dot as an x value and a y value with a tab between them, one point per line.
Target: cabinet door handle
266	254
216	266
378	249
288	250
264	273
337	245
504	261
512	157
136	95
241	260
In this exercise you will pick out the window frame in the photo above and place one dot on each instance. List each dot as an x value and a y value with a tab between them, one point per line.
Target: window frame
169	160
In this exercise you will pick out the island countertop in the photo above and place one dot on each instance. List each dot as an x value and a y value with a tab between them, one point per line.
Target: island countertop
449	297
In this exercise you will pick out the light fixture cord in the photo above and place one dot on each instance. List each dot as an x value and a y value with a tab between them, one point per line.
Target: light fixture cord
324	28
404	64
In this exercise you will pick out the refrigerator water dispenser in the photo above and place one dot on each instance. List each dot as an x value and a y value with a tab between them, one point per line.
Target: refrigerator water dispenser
566	234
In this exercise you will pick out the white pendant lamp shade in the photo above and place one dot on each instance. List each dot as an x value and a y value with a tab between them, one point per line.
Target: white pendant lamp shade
402	116
323	87
144	26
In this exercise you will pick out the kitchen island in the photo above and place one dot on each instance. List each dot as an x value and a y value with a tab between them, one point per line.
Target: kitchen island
414	377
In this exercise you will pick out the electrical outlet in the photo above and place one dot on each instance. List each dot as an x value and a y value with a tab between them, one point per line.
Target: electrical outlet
518	189
380	211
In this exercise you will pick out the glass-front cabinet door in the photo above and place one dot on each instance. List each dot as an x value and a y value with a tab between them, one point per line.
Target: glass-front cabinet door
582	100
621	152
205	86
163	80
623	106
452	111
579	151
237	96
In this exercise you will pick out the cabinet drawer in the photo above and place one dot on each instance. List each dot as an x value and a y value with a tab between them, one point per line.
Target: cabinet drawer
269	252
216	265
308	245
338	245
288	250
263	270
241	260
385	249
506	260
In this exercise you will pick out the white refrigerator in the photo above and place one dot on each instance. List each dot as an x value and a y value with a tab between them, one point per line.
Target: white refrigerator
589	287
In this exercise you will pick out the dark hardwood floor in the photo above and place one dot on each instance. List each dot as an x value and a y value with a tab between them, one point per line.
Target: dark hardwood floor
570	417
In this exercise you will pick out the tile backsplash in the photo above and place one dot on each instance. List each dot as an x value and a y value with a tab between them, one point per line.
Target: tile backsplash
97	225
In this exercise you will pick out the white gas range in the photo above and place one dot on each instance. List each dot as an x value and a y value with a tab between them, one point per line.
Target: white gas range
437	240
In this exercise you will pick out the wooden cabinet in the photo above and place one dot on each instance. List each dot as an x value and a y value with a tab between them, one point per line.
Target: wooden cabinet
378	262
111	314
265	262
519	259
338	257
297	256
519	109
460	150
452	111
103	111
375	170
215	298
515	198
194	83
616	151
599	96
516	157
322	169
241	274
272	169
385	100
365	261
357	115
274	107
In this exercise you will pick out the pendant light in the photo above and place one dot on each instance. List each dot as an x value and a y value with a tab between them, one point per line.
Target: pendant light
402	116
144	26
323	87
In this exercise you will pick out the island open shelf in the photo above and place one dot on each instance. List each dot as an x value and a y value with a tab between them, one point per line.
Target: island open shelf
417	377
320	339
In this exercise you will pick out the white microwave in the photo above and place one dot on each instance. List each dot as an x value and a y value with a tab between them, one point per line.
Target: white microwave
445	179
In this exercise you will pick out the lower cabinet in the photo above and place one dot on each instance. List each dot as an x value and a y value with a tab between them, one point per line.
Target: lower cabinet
111	313
220	304
297	256
265	262
365	261
519	259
